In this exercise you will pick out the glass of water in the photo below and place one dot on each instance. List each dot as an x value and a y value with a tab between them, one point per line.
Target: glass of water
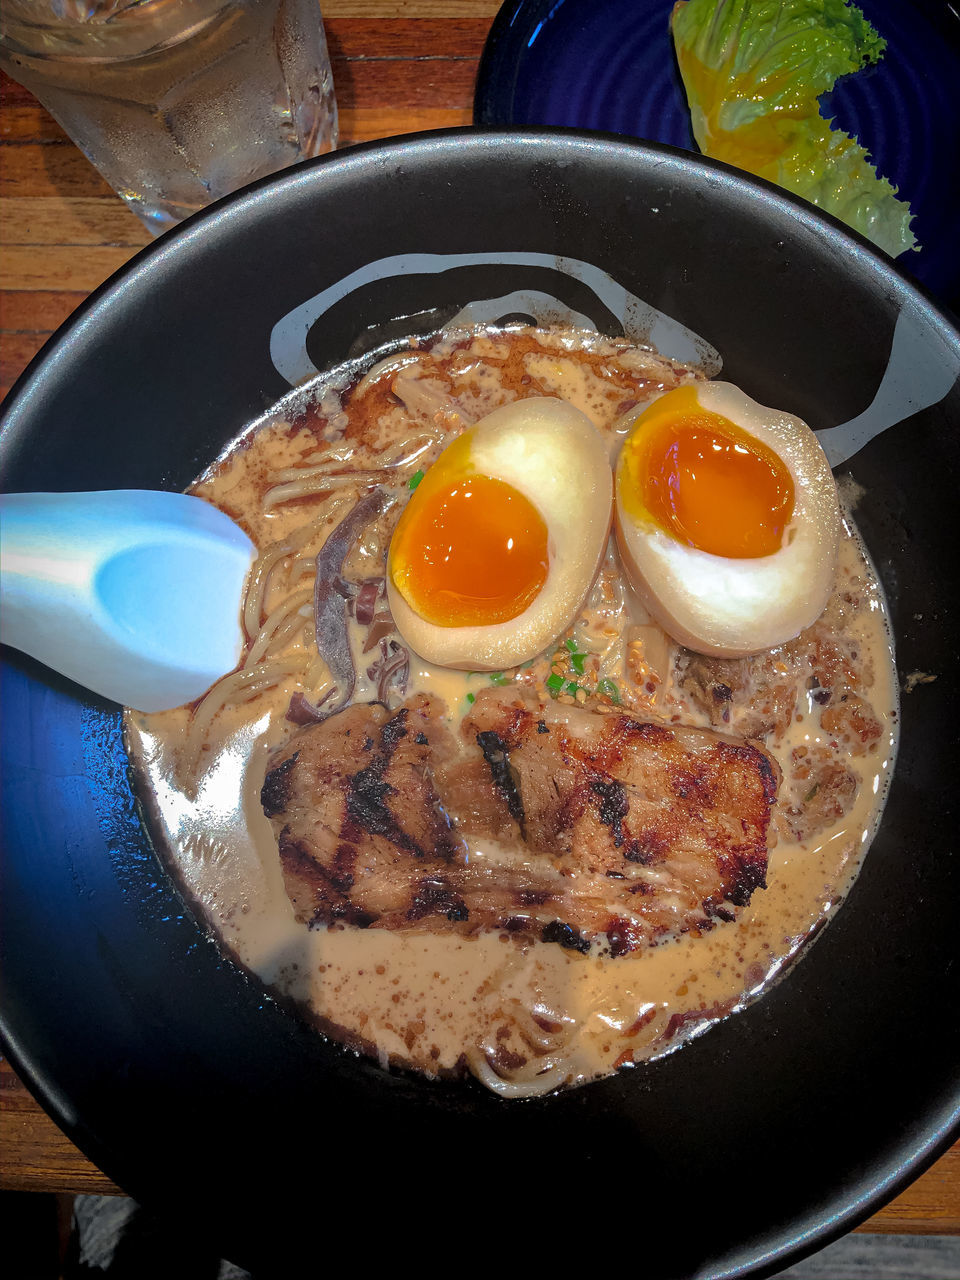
177	102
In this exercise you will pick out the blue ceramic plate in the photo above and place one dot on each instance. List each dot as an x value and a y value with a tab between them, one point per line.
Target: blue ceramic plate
609	65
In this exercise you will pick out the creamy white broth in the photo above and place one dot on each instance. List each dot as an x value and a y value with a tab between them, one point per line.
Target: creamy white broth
442	1001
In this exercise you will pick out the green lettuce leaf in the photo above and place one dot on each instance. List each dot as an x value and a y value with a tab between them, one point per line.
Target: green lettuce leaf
754	70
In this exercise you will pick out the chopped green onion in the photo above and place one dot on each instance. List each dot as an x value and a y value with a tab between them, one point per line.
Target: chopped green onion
571	645
415	479
576	661
471	698
497	677
609	689
572	687
555	683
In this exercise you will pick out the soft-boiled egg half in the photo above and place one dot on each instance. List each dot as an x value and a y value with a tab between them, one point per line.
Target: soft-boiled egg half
501	540
727	519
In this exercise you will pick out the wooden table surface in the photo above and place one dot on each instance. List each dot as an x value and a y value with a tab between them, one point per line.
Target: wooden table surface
398	67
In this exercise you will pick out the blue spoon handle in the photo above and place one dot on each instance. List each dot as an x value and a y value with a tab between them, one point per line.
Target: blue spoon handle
133	593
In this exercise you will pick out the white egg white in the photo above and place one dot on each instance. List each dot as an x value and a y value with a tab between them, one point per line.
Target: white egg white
552	454
731	607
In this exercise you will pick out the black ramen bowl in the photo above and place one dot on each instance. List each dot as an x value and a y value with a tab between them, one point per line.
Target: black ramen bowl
778	1129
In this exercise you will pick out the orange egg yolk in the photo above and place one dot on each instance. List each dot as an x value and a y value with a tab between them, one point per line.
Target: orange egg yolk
469	552
704	480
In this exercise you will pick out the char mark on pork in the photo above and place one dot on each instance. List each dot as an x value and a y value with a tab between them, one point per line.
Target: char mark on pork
555	823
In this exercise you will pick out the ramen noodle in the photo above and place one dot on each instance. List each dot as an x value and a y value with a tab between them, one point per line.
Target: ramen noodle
523	1015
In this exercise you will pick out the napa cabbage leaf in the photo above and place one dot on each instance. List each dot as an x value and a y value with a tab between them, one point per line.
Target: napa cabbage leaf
754	71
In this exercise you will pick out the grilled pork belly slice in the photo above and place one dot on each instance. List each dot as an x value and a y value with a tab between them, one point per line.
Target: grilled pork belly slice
553	822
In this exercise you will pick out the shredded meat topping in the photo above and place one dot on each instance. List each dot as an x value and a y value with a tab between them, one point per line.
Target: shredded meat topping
759	696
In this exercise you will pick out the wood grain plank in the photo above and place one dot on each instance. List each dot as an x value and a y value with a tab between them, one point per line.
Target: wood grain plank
61	267
407	9
929	1206
37	1156
36	311
16	352
364	124
28	123
357	123
416	82
22	119
49	169
371	38
70	221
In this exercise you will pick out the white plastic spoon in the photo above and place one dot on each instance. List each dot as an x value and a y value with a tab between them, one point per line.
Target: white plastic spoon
133	593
